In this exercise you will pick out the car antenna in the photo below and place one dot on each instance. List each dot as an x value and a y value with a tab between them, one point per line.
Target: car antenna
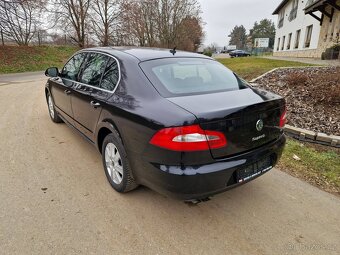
173	51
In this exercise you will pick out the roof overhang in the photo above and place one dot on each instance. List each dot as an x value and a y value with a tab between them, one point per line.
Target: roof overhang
281	5
321	5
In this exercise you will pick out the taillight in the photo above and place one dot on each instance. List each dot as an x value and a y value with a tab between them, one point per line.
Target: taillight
283	118
188	138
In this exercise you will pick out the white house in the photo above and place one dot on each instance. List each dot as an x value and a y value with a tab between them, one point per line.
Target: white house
297	34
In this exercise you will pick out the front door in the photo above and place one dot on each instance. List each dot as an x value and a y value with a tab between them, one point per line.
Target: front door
63	85
60	91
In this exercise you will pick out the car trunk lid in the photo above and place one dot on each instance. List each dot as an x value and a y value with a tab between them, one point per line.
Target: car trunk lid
249	118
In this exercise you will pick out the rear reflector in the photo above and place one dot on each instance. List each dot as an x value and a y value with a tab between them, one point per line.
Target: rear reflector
188	138
283	118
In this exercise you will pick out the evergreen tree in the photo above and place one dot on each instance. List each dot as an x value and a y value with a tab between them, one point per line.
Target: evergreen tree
238	37
263	29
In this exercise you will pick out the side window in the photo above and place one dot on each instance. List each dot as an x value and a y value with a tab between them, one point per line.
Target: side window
93	69
111	75
72	67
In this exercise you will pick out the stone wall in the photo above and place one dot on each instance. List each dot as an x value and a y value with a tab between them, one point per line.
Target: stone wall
330	31
314	53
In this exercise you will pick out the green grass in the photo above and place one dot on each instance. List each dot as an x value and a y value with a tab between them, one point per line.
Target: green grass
252	67
15	59
318	165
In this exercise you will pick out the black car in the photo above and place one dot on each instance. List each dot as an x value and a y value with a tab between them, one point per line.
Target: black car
177	122
239	53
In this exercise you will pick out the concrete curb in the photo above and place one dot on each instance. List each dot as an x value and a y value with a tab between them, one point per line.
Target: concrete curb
300	133
310	136
279	68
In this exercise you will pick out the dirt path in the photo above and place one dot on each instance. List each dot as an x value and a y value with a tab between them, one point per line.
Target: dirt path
80	213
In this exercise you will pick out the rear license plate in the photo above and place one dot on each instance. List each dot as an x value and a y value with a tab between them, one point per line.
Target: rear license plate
254	170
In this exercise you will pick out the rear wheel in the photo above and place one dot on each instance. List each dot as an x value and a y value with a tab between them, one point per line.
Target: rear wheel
116	165
51	109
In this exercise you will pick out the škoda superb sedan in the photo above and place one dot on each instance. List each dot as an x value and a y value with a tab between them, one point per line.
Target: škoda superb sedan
177	122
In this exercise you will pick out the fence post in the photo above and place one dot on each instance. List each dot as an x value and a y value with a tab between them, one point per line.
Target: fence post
39	39
2	38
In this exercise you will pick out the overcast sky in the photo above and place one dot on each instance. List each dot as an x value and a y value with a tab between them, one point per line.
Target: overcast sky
221	16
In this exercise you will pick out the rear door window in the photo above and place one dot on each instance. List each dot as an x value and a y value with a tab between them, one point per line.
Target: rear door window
185	76
93	69
111	75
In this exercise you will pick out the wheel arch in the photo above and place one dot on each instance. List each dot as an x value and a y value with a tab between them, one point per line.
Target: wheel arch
105	128
47	91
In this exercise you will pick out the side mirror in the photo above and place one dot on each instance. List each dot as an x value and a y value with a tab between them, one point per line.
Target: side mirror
52	72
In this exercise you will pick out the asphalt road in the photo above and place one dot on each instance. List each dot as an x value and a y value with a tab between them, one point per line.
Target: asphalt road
54	199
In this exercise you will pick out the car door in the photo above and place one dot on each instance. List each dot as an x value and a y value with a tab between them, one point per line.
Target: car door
62	86
86	109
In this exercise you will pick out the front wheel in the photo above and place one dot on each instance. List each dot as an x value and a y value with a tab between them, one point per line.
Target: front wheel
51	109
116	165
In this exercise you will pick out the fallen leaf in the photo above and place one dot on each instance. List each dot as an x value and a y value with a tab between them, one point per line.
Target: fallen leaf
296	157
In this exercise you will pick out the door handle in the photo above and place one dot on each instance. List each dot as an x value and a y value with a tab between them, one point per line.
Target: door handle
56	79
94	104
67	92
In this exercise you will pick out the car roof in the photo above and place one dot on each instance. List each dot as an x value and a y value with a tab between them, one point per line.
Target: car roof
144	54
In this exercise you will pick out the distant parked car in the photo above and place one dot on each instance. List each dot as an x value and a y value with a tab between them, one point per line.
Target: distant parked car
226	51
239	53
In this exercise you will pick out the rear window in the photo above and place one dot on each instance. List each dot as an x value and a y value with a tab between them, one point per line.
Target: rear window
185	76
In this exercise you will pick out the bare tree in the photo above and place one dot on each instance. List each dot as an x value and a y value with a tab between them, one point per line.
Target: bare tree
19	20
190	34
164	23
104	19
74	13
139	19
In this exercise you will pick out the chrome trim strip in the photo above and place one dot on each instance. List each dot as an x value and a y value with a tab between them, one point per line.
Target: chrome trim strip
77	82
99	52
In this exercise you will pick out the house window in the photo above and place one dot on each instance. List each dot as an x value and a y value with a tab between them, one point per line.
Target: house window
297	39
278	44
293	12
289	41
283	43
309	31
281	19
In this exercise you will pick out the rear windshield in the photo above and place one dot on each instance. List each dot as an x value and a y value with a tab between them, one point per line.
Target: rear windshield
185	76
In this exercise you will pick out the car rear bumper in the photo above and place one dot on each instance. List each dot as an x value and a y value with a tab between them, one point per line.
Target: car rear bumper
198	182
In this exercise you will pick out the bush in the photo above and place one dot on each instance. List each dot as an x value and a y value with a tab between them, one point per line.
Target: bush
296	79
208	53
331	53
336	47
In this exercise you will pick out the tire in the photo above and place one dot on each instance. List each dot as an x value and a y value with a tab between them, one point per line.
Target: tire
51	110
116	166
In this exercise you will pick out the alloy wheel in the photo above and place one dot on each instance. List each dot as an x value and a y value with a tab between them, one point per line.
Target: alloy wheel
51	107
114	163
